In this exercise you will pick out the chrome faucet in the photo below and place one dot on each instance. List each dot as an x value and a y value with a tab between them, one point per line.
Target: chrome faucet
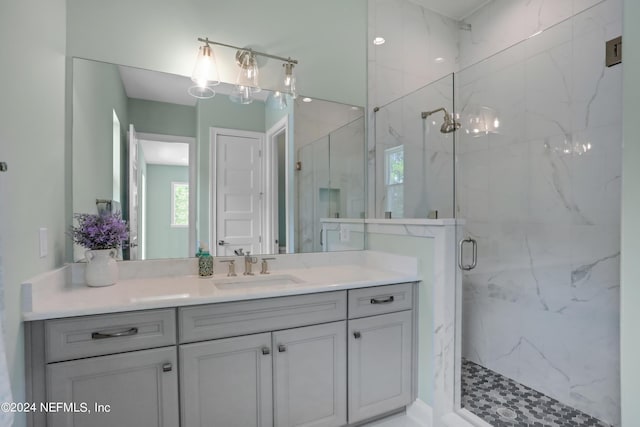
248	261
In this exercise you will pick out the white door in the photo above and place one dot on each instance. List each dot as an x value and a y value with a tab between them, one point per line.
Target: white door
133	193
227	382
310	376
238	191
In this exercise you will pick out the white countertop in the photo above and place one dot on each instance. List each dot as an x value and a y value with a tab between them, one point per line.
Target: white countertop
54	295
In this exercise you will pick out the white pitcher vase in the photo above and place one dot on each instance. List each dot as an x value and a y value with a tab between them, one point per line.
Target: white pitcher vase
101	269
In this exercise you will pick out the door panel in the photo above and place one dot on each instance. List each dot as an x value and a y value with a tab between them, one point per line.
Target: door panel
379	364
311	376
238	192
141	388
227	382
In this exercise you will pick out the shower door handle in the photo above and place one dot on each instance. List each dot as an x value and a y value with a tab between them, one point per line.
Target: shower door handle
474	259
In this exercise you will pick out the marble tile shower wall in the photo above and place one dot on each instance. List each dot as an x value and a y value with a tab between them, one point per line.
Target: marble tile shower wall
502	23
542	198
428	153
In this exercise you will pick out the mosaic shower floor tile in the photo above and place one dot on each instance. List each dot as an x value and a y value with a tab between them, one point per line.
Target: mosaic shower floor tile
502	402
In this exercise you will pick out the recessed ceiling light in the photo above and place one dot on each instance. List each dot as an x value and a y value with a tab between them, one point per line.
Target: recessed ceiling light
378	41
439	60
306	100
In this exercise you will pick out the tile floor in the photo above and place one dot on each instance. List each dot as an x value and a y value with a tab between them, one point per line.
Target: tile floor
503	402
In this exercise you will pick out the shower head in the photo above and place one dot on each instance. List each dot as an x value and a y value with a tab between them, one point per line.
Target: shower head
450	124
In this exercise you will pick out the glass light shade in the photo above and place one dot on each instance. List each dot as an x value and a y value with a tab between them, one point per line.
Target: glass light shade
289	80
241	95
248	74
481	120
201	92
277	100
205	72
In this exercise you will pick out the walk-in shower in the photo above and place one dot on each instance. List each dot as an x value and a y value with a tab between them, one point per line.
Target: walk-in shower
528	161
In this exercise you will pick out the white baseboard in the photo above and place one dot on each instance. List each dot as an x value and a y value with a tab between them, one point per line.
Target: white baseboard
421	413
464	418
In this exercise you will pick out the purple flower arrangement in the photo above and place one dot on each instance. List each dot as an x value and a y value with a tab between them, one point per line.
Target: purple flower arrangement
95	231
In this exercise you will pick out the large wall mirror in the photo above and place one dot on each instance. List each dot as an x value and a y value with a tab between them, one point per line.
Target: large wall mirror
184	171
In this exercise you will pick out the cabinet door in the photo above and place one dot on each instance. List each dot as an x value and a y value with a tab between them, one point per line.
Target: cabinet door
227	382
379	364
311	376
140	387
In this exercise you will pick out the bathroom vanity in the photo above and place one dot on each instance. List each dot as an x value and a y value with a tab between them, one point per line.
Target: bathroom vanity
319	346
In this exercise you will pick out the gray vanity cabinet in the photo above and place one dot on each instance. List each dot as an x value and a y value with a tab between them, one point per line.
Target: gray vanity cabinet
140	389
328	359
294	377
310	376
227	382
380	351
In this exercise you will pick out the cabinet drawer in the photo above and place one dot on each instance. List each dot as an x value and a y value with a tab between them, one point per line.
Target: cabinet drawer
380	299
247	317
78	337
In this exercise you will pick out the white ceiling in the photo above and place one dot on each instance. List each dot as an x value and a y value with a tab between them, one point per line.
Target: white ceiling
163	87
165	153
455	9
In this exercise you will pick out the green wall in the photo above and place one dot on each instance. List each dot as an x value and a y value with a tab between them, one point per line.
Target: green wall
162	117
328	38
97	91
163	240
423	249
630	268
220	112
33	143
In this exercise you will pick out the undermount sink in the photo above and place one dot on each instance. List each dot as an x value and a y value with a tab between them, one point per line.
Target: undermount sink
252	282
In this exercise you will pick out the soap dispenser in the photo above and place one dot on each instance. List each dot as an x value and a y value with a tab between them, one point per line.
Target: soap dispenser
205	262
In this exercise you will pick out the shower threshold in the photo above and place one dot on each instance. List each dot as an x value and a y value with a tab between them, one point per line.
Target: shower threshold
502	402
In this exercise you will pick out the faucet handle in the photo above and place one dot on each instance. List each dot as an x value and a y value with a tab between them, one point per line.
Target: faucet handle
265	266
232	267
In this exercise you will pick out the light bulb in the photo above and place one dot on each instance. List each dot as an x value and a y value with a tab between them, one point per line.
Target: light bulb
289	80
248	74
205	71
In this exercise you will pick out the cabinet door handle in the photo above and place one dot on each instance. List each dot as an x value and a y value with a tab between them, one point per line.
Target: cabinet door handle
382	301
282	348
167	367
357	335
103	335
266	350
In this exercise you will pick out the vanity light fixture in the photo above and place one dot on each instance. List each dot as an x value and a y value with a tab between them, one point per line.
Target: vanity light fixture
307	99
278	99
205	73
378	41
247	84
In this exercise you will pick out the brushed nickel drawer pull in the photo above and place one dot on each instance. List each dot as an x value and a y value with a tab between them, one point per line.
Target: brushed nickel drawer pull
382	301
357	335
167	367
266	350
282	348
103	335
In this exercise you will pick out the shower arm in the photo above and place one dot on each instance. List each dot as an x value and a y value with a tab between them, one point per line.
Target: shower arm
426	114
